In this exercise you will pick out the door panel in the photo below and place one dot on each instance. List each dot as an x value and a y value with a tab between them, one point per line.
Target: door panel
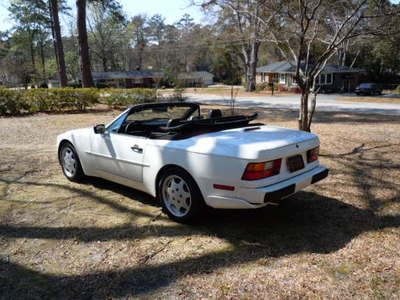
115	154
129	154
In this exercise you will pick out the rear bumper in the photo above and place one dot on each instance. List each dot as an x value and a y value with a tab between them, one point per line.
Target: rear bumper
259	197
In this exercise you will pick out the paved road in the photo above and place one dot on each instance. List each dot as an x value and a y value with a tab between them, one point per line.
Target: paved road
324	103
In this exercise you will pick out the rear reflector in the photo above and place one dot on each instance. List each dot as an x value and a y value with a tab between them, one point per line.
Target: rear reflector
255	171
224	187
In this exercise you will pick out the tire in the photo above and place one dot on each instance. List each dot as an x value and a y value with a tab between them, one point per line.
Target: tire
180	196
70	163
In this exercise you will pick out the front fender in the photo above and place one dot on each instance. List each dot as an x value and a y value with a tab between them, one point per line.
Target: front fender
80	139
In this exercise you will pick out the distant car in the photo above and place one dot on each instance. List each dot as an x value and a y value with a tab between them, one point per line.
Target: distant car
368	89
188	160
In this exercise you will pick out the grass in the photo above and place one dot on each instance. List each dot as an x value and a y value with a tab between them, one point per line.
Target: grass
337	239
392	98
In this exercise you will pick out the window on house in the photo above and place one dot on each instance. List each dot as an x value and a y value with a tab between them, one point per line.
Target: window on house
329	78
322	79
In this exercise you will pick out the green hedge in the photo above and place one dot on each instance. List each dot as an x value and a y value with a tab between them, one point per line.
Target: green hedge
14	102
11	102
65	99
117	98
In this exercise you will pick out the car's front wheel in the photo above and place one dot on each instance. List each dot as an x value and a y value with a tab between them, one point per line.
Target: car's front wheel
70	163
180	196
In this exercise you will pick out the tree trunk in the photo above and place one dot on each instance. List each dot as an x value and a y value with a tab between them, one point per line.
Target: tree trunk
312	109
251	84
86	73
104	62
252	67
251	81
32	50
303	114
33	62
59	49
53	36
251	78
42	60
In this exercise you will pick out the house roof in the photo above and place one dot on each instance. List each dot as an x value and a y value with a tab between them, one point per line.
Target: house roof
277	67
126	75
195	75
289	67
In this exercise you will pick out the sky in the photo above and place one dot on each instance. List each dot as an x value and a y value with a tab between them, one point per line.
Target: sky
172	10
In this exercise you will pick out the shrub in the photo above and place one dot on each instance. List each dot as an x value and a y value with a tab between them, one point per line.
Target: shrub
267	86
398	89
63	99
14	102
117	98
261	87
11	102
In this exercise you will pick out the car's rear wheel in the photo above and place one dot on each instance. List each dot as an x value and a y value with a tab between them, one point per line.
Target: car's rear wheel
180	196
70	163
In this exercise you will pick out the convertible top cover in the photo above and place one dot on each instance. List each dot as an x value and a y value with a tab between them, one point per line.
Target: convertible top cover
179	120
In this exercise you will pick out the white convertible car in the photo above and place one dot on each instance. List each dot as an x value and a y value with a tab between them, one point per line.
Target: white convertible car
188	161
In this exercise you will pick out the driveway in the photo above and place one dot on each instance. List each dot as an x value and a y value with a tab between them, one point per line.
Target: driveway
324	103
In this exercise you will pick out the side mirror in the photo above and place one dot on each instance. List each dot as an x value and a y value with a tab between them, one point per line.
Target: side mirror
99	129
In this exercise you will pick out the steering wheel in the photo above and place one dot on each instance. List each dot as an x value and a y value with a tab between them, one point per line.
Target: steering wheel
133	123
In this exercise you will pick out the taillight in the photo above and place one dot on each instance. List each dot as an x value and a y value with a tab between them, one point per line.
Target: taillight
261	170
312	154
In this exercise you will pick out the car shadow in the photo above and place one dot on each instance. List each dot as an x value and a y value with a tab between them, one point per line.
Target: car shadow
307	222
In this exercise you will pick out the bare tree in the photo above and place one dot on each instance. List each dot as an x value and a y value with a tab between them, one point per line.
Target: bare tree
321	29
309	32
247	16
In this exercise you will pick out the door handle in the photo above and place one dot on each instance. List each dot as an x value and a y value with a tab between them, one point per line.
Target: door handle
137	149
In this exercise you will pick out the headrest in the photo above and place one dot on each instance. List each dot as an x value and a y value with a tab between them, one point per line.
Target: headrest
214	113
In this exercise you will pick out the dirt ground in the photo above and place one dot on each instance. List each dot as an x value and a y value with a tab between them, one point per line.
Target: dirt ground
337	239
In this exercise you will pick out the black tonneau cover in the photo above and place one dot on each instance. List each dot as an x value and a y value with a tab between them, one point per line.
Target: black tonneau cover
201	126
184	128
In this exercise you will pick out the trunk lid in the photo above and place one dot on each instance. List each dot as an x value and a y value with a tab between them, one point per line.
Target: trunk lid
250	143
